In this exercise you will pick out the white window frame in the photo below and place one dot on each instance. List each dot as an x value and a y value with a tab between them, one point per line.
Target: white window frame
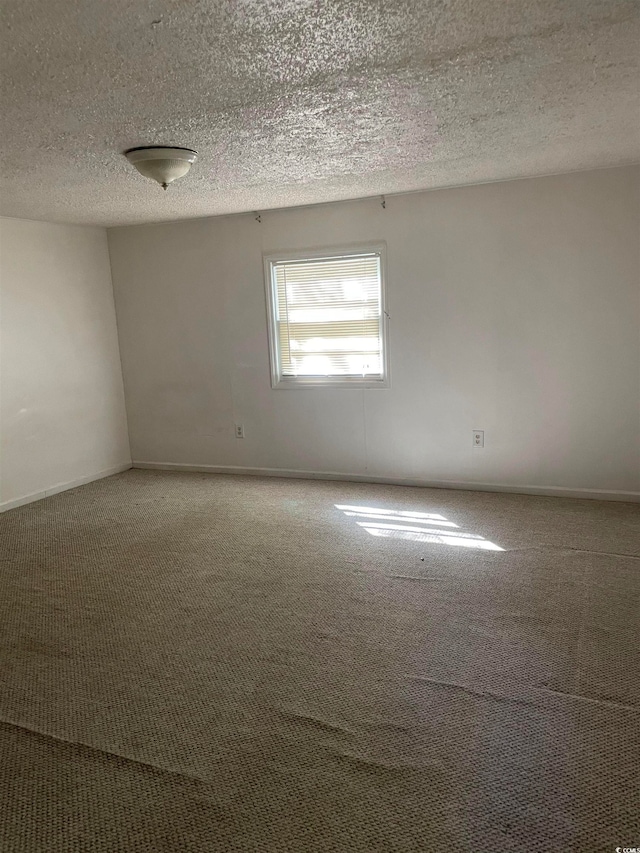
277	379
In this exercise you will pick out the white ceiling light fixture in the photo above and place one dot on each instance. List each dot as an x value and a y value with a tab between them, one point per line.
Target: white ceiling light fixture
161	164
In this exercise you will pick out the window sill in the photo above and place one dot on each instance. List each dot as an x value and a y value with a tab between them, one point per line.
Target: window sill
345	384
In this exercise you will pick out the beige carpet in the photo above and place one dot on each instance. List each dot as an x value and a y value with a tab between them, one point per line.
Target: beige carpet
209	663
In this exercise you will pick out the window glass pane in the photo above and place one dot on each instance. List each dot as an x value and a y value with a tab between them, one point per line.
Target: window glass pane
329	316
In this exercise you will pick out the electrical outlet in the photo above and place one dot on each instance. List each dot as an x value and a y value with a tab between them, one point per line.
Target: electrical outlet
239	431
478	438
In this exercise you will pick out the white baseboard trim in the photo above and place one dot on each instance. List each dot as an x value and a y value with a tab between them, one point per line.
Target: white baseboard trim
62	487
549	491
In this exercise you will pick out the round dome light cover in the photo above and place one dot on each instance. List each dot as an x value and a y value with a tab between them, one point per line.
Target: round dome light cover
161	163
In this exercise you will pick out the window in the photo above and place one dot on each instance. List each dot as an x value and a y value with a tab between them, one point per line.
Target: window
327	318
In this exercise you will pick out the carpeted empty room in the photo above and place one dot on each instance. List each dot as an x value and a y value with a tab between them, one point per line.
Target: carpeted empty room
203	663
320	426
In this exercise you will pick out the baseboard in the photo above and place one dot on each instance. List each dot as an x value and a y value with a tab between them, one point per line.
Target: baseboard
62	487
549	491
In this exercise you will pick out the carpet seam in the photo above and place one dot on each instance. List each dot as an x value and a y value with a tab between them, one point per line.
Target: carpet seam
95	749
490	694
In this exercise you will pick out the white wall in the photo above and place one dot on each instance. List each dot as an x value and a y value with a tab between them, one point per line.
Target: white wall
62	414
514	309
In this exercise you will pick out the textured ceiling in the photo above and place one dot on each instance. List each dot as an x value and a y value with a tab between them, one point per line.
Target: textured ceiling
294	102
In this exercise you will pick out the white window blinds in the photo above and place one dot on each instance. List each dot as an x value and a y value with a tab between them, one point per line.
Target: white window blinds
328	316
